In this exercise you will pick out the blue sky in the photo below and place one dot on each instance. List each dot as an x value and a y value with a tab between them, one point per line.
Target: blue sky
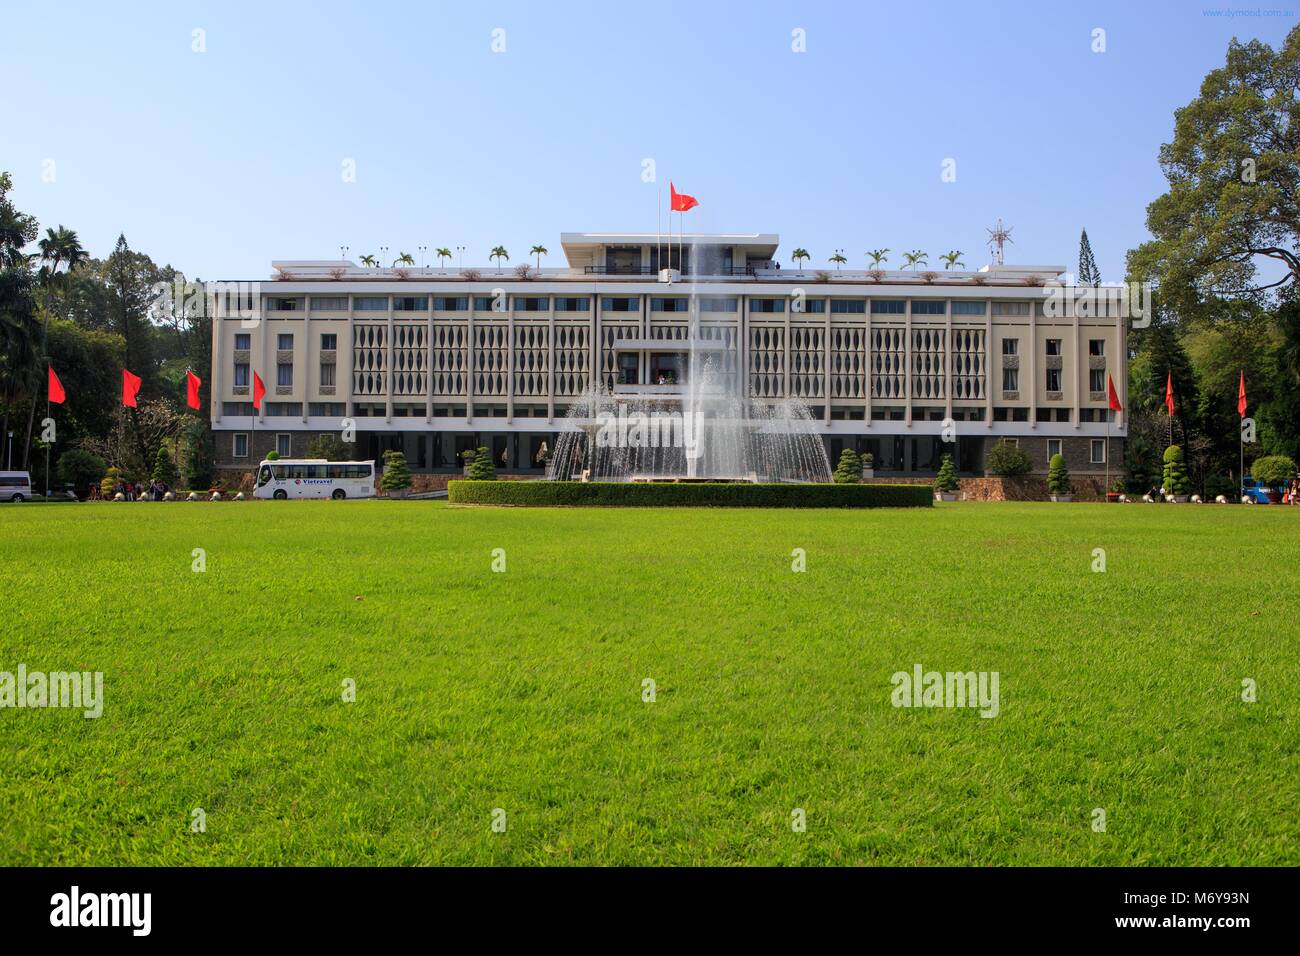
219	162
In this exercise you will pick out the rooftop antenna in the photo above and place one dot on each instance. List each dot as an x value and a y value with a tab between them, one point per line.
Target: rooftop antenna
998	236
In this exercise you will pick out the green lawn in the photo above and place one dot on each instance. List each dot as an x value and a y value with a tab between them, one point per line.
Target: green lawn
522	690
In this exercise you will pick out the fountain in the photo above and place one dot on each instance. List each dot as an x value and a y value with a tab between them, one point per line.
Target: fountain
711	432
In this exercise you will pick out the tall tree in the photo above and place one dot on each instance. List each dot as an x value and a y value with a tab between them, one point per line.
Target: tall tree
19	336
1088	272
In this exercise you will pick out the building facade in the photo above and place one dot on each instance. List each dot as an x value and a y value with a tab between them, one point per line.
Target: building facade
905	365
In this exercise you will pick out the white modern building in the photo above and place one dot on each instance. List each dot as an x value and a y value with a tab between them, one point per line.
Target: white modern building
438	360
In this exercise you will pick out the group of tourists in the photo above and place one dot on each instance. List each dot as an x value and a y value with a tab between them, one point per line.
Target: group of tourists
136	491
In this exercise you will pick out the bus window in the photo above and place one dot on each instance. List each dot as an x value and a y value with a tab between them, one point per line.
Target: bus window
265	475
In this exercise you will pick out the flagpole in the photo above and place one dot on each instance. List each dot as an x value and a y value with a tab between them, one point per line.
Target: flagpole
47	444
659	225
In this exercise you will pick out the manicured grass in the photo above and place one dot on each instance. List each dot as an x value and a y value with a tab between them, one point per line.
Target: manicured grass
523	690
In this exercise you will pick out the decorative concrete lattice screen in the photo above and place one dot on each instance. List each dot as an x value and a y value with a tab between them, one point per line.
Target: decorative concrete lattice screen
888	348
767	361
369	359
491	358
928	363
410	359
450	359
968	364
848	363
572	359
807	372
609	354
531	368
722	365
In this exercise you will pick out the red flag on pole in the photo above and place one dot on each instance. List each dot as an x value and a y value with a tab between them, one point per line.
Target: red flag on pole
192	383
1169	394
1113	395
258	391
1241	395
130	388
54	390
680	201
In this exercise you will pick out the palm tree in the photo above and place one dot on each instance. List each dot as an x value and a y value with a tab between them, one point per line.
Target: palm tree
877	256
915	258
538	251
838	259
800	256
370	261
951	260
498	253
404	259
443	253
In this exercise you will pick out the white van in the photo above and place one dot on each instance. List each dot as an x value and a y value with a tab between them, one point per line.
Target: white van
315	478
15	486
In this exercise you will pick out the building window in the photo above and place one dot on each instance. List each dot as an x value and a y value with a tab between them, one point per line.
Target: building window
329	303
411	303
275	304
1096	346
243	341
532	303
1010	308
327	374
1053	379
1053	346
450	303
927	307
284	374
370	303
1010	346
284	341
1097	380
572	304
241	374
240	445
668	305
620	304
809	305
717	305
1011	380
284	445
888	306
329	341
848	306
489	303
766	305
1098	456
968	308
1053	447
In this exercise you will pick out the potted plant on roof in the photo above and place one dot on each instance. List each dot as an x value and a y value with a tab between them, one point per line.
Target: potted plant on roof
946	482
1058	479
1177	485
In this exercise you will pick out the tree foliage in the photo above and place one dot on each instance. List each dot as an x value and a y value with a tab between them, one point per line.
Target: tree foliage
849	469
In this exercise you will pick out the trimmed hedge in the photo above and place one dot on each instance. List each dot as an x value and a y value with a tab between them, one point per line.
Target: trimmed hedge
708	495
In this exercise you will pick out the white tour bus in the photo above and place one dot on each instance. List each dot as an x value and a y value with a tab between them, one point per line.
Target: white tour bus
15	486
315	478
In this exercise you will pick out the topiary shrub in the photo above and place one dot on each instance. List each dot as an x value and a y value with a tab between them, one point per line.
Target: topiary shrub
1175	472
1006	459
481	468
397	474
946	481
1058	476
670	494
272	456
1273	469
849	470
80	468
108	484
164	469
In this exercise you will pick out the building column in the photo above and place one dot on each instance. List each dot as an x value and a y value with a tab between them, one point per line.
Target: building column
214	386
550	367
989	383
907	370
947	362
469	359
866	352
1080	358
510	363
1033	365
305	350
428	372
785	358
258	363
826	359
388	365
